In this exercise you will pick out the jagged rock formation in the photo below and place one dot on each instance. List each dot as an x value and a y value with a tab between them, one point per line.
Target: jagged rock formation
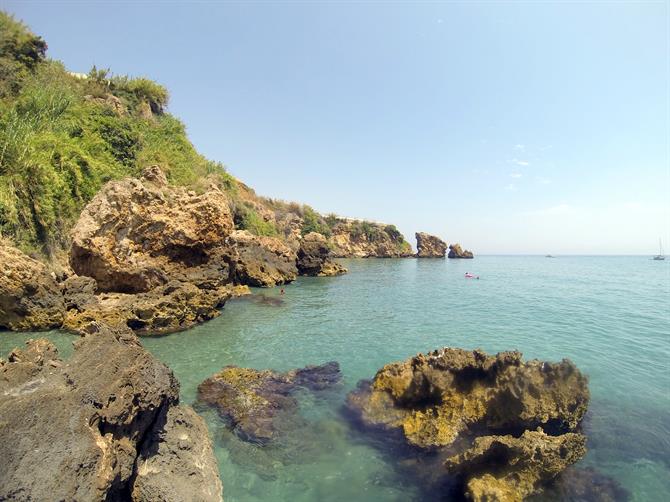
314	257
506	468
443	399
362	239
259	403
262	261
455	251
136	235
30	298
429	246
82	430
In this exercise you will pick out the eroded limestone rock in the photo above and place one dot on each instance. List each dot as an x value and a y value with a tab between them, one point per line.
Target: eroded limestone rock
262	261
455	251
73	430
314	257
429	246
260	403
30	298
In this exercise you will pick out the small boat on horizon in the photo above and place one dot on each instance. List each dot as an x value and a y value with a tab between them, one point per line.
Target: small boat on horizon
548	256
660	256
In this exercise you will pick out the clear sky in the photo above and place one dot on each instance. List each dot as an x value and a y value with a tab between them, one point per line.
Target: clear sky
511	127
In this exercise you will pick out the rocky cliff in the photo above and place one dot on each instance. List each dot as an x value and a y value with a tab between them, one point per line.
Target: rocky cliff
84	430
455	251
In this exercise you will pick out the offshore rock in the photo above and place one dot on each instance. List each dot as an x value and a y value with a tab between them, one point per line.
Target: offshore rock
455	251
262	261
136	235
73	430
259	404
30	299
523	415
505	468
176	306
314	257
429	246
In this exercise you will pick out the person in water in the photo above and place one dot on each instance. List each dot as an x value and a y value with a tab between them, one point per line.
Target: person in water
281	291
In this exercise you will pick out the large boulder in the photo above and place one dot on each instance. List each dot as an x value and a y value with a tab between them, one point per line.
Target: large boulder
259	404
30	298
314	257
429	246
262	261
137	234
455	251
77	429
445	399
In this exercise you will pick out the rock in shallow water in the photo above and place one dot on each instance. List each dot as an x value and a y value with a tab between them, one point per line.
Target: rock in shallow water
77	429
429	246
481	412
314	257
260	403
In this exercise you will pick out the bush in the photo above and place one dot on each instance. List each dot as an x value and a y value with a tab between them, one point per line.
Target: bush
20	53
312	222
246	218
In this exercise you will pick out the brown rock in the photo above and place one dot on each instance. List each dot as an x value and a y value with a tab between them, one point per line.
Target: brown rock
30	299
509	469
314	257
136	235
74	430
364	239
429	246
262	261
260	404
455	251
173	307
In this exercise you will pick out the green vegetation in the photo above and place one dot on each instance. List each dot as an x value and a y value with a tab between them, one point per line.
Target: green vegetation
62	136
247	218
313	222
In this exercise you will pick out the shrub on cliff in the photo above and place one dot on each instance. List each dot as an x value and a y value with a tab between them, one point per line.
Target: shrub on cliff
62	136
313	222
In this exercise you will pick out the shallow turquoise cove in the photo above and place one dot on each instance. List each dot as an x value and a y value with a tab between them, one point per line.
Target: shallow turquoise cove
610	315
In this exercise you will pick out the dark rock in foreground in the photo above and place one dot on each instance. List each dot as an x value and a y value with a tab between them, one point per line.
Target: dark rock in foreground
259	403
429	246
262	261
314	257
504	425
30	298
455	251
103	425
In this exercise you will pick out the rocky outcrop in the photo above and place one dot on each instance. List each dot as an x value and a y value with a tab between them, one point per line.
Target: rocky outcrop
363	239
136	235
30	298
429	246
262	261
455	251
441	400
314	257
259	403
506	468
82	430
176	463
172	307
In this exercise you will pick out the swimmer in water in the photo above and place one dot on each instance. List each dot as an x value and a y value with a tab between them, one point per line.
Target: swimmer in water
281	291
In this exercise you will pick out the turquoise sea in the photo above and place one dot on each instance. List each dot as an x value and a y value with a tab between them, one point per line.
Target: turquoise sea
610	315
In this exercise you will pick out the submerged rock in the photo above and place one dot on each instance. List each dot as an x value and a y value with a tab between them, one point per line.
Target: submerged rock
262	261
314	257
77	429
455	251
30	298
429	246
260	403
506	468
511	409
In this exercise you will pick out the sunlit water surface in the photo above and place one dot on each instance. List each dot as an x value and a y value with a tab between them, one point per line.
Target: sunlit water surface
610	315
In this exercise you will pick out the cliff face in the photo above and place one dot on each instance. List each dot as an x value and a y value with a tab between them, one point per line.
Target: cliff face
429	246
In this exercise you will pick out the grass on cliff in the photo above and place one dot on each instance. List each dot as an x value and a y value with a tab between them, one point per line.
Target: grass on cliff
63	136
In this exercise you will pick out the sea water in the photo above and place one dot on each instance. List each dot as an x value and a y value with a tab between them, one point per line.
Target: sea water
610	315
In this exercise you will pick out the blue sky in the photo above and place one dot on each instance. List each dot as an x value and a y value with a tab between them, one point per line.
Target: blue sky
511	127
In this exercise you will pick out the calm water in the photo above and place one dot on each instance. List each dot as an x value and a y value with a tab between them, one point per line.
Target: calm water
610	315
